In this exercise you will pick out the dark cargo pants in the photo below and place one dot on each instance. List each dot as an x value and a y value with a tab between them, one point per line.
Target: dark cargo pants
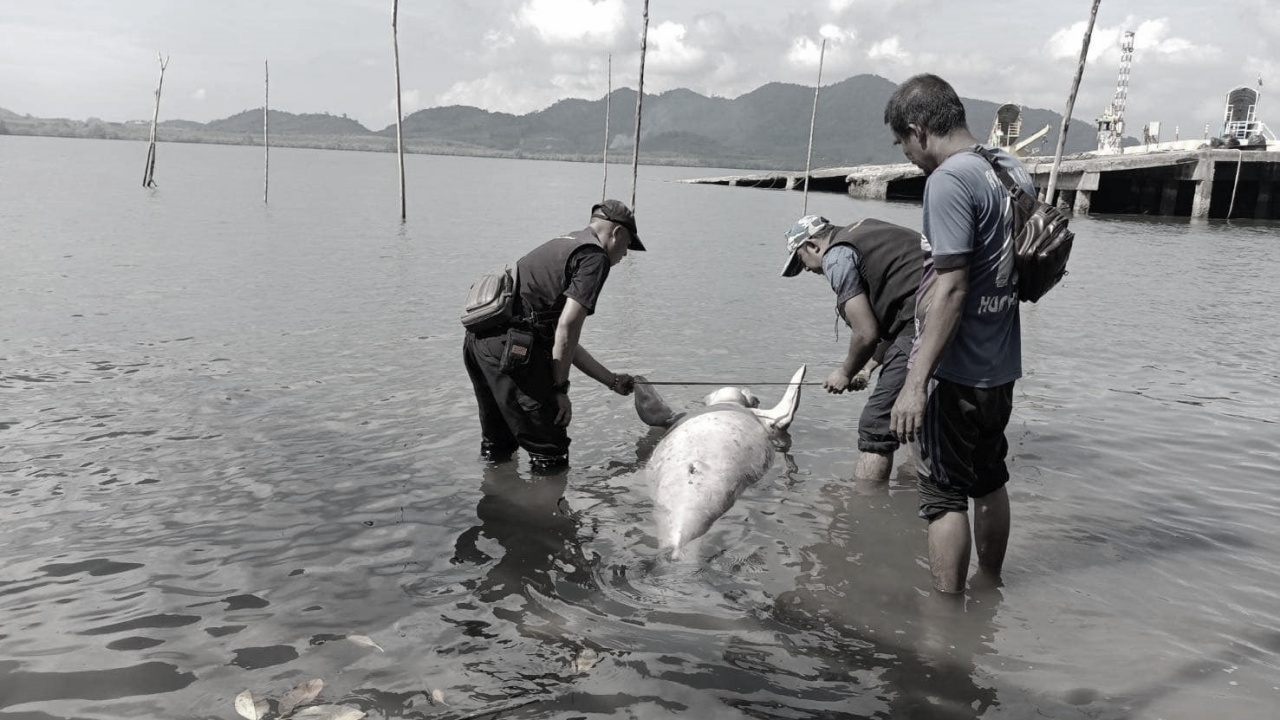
874	435
518	409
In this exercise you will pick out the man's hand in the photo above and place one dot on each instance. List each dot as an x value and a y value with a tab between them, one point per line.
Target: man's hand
859	381
837	382
623	384
564	410
907	417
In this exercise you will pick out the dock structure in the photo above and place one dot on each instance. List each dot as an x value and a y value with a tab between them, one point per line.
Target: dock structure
1197	183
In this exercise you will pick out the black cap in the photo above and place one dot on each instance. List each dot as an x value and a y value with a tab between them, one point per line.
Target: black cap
616	211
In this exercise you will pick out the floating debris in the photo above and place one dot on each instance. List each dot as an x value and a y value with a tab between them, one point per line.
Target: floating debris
301	695
365	640
330	712
250	707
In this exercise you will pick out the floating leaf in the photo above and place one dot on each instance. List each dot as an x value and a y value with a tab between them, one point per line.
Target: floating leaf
438	696
364	640
301	695
586	660
330	712
249	707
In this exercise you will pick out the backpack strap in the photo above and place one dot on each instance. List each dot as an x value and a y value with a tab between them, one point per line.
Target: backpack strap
1005	178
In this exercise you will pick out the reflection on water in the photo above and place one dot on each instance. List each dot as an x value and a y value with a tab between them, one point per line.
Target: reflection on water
915	649
535	532
240	453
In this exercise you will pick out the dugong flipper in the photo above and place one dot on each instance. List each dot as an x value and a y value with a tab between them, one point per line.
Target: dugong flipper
710	456
650	406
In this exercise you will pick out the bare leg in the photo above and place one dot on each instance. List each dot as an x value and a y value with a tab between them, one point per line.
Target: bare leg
991	529
949	547
873	467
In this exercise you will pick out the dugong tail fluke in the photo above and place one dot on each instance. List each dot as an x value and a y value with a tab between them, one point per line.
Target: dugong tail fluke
710	455
780	416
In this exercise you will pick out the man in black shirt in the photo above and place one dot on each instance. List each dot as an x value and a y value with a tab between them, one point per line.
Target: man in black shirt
520	372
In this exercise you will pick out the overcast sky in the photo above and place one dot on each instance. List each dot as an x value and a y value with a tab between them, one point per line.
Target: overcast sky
97	58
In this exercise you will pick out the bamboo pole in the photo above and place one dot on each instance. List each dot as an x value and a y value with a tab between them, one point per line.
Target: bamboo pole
813	120
1071	101
395	45
608	100
266	146
635	152
149	173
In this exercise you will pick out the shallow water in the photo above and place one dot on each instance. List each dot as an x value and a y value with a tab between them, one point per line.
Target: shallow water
235	436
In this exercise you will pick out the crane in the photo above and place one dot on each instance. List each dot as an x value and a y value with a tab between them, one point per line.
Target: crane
1111	124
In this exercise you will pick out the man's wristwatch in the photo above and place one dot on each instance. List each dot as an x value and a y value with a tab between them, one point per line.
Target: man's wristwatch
561	388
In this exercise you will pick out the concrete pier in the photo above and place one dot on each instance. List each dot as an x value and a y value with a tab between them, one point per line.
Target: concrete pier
1179	183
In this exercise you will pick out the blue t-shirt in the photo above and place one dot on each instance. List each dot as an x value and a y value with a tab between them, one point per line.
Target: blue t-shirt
967	221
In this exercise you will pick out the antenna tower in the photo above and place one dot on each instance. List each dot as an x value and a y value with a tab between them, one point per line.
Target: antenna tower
1111	124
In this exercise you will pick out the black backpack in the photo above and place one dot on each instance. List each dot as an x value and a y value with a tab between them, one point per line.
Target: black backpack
1041	240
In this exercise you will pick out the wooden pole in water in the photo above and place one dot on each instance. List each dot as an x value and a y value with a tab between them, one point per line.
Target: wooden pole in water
635	152
149	173
266	146
1071	101
1239	164
813	120
395	46
608	100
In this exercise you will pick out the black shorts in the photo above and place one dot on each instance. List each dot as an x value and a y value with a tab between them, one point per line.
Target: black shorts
962	446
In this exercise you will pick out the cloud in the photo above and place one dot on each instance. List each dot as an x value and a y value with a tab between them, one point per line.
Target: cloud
1262	15
500	91
1150	37
496	40
1155	37
805	52
1065	43
835	33
670	52
868	7
410	100
199	95
888	49
566	22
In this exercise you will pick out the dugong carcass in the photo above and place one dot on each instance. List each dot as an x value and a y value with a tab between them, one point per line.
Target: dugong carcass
710	455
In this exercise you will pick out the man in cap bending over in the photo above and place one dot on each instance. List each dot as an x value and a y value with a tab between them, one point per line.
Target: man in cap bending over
524	402
874	268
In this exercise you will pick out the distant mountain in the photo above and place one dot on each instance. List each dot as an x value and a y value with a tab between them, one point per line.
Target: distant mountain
767	128
284	123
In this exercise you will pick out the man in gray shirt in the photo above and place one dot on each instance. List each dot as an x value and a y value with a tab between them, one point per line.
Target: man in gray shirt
958	394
